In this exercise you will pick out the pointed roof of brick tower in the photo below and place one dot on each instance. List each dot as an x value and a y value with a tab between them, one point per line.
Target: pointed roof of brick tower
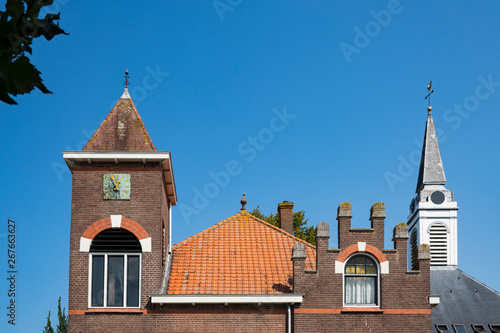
122	130
431	167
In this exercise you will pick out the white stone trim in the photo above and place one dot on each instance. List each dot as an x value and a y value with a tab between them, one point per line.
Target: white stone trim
339	267
361	246
85	244
384	267
146	244
125	94
156	156
228	298
434	299
116	221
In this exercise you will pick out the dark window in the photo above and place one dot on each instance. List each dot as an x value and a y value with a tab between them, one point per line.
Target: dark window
115	276
115	280
133	281
495	328
361	281
97	281
479	328
460	328
443	329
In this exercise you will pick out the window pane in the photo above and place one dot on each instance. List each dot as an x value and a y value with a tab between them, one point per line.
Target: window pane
133	281
460	328
97	298
350	270
371	269
360	290
360	270
115	281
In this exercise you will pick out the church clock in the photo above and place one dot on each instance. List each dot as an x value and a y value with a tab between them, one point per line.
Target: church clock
116	186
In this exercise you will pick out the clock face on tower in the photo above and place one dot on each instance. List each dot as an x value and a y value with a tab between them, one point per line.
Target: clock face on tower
116	186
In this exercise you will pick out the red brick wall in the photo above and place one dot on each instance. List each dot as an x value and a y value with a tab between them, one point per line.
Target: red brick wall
146	207
373	235
187	318
404	306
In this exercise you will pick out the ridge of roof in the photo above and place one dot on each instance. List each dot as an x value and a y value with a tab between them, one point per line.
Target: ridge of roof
131	136
235	216
478	282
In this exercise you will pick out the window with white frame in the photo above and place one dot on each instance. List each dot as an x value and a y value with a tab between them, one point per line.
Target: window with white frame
361	281
115	270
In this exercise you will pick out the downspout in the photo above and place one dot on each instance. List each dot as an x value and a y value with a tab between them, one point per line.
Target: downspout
289	319
168	259
169	227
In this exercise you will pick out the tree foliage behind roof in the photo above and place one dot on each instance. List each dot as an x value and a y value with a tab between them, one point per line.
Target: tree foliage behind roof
19	25
300	228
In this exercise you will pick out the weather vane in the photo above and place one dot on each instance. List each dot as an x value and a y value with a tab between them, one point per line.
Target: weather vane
429	86
126	83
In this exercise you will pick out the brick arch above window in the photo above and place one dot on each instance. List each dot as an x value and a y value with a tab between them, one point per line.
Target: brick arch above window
361	247
115	221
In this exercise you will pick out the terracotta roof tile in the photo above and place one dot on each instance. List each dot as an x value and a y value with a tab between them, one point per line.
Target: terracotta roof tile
122	130
239	255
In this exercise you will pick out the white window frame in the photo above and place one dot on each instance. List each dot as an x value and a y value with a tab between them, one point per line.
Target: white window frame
125	263
377	295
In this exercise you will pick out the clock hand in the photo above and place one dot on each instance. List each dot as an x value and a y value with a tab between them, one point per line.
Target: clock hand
114	181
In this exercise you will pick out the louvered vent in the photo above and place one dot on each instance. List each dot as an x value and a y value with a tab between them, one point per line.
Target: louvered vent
414	250
438	236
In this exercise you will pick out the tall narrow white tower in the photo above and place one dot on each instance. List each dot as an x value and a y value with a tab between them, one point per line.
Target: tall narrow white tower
433	212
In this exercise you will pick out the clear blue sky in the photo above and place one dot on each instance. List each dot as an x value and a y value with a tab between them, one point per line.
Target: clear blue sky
352	76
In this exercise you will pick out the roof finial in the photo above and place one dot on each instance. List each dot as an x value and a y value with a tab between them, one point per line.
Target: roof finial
243	203
429	86
126	83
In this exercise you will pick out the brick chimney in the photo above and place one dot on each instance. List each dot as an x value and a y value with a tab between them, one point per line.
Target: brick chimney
285	213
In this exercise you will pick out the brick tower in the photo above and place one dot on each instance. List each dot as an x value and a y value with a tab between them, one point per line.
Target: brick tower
123	190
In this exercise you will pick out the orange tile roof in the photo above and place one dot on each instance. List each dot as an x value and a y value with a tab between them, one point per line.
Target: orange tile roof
239	255
122	130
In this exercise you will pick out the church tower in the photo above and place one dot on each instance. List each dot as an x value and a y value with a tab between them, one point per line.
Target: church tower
433	211
122	193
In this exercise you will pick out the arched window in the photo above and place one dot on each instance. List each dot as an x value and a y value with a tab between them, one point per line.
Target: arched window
361	281
115	269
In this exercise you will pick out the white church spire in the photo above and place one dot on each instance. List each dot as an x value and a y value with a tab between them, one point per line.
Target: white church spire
433	211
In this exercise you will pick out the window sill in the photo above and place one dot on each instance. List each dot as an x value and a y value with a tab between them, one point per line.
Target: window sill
113	310
362	309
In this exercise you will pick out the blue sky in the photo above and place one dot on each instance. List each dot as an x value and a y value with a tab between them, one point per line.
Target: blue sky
344	83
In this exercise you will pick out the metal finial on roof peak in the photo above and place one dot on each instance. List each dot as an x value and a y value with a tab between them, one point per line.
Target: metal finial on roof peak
429	86
243	203
126	83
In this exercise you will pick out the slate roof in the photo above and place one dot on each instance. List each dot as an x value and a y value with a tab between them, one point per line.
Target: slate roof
431	169
464	300
122	130
239	255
